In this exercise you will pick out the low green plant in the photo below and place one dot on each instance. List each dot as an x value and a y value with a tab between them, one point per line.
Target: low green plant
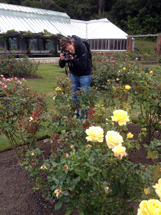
21	113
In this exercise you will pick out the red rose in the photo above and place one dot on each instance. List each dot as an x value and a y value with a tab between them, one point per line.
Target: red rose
31	131
2	61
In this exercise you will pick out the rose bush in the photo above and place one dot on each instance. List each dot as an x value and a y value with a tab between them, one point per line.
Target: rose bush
126	83
10	66
91	175
21	113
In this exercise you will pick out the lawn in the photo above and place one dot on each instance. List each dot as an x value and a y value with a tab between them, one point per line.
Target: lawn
45	84
144	45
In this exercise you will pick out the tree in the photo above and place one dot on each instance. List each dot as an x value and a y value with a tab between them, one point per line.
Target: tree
29	3
46	4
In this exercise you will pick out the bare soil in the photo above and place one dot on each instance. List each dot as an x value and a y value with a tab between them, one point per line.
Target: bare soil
17	196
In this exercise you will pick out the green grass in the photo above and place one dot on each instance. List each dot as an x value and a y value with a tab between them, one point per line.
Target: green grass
45	84
144	45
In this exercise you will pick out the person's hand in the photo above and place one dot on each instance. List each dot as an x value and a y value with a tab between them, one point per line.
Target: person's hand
62	57
71	57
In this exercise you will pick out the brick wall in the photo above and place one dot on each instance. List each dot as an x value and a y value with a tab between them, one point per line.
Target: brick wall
129	44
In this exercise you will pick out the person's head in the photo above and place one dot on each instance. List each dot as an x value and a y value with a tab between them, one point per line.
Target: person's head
67	45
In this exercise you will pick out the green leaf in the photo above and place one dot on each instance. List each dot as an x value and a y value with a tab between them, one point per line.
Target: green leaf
54	164
58	206
156	171
104	174
81	213
91	159
76	180
151	155
69	207
82	173
68	212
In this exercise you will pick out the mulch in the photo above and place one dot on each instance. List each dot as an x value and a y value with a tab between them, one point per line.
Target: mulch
17	196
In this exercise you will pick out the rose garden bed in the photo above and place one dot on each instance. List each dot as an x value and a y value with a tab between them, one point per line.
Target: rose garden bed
17	196
86	167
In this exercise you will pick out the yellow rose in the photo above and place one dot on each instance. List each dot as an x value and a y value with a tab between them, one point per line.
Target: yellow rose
124	68
130	135
57	192
119	151
120	116
150	207
127	87
151	72
95	134
113	138
157	188
43	167
58	89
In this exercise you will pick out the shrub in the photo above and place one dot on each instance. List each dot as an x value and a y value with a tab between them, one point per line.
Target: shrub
21	113
10	66
92	177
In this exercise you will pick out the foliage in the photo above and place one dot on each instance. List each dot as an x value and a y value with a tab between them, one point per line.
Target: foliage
153	192
27	33
21	114
87	176
112	75
46	33
66	104
35	3
137	17
11	66
11	31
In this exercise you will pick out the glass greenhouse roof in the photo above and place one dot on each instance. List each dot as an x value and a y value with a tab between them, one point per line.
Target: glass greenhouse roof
29	12
36	20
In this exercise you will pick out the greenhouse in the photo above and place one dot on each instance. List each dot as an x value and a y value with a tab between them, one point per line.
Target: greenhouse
39	30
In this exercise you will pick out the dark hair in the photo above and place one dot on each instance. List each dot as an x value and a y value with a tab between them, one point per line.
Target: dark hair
64	41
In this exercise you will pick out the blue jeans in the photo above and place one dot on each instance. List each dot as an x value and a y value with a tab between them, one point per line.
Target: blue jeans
80	82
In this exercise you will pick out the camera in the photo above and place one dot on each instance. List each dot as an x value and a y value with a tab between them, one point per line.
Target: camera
67	55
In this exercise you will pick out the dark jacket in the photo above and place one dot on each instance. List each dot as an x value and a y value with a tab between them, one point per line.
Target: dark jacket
81	64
